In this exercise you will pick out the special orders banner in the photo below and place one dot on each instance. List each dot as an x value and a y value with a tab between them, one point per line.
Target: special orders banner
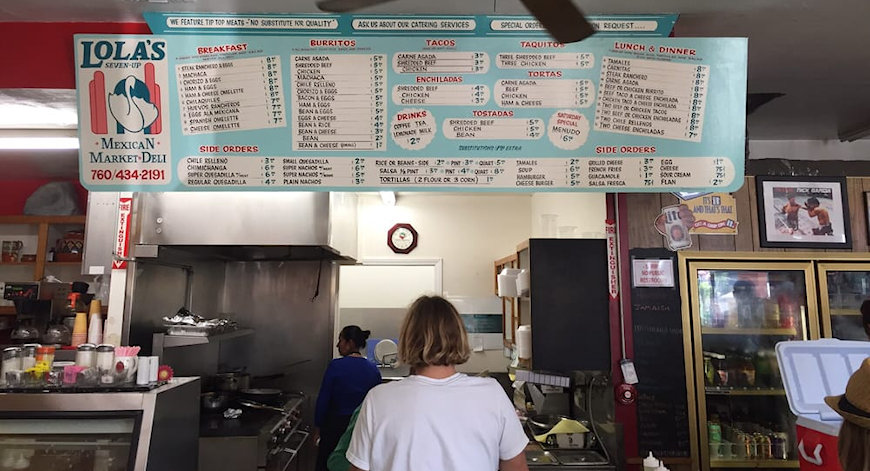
450	104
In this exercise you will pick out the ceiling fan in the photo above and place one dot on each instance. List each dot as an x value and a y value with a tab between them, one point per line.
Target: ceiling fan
561	18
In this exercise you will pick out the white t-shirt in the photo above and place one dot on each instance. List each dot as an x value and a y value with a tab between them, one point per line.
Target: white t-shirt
457	423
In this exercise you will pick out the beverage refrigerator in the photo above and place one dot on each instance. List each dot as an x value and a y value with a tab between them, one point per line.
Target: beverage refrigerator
843	287
735	312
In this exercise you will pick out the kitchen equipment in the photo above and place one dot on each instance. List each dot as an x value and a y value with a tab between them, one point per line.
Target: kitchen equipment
57	334
387	352
263	395
273	438
233	381
127	365
257	405
213	401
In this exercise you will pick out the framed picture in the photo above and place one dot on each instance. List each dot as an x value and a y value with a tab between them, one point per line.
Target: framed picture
867	210
803	212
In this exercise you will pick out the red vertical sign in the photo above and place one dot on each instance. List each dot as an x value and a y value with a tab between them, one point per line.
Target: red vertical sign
122	241
612	276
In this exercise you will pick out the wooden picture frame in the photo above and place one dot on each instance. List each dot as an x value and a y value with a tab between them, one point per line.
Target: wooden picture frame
803	212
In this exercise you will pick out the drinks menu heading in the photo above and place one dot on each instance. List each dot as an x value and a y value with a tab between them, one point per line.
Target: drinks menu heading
220	102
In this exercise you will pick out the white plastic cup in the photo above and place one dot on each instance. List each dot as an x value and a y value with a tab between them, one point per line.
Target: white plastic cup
153	364
144	370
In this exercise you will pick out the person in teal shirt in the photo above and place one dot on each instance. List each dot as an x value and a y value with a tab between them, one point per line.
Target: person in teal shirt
337	461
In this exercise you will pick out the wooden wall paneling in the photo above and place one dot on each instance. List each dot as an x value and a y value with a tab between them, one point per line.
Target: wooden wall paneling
668	199
745	228
756	233
718	243
857	213
643	208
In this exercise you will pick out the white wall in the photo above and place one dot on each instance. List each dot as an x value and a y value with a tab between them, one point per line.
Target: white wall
586	212
469	232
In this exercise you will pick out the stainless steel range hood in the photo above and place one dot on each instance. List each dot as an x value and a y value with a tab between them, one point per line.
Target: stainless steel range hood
249	226
233	226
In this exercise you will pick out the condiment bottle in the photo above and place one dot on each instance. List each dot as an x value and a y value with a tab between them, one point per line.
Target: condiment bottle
28	356
45	356
11	362
86	355
650	463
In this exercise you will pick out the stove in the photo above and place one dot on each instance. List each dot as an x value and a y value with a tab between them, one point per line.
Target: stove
264	440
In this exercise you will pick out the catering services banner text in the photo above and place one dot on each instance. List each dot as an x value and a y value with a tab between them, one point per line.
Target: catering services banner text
348	103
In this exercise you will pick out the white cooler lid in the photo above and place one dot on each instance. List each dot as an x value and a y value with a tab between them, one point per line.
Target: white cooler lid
813	369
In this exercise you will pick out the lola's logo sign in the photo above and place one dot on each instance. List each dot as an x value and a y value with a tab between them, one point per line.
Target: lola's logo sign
95	53
133	101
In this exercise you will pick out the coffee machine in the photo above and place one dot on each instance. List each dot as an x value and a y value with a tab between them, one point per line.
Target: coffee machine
37	306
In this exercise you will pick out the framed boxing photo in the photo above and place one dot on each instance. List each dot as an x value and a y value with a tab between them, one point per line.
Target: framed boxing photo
803	212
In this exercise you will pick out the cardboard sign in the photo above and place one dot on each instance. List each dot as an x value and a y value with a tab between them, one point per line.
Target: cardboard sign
652	273
715	213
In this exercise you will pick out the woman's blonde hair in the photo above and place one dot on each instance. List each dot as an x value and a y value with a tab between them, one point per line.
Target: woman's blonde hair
854	447
433	334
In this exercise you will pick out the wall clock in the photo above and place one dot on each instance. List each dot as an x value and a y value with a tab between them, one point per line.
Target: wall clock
402	238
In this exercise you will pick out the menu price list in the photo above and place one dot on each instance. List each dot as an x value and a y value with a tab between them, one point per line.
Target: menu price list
493	128
447	62
339	102
652	98
555	61
544	93
535	173
457	95
230	95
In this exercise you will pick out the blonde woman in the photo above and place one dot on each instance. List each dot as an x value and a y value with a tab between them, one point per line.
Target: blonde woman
854	407
437	419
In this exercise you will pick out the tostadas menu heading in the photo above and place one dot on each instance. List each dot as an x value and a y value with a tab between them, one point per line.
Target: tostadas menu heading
361	103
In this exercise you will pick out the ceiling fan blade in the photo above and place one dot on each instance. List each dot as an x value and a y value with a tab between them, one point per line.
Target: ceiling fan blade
561	18
341	6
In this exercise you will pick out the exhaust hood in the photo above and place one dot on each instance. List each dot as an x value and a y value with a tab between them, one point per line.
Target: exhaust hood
228	226
249	226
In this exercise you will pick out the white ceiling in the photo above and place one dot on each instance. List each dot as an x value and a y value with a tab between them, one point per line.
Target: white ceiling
814	51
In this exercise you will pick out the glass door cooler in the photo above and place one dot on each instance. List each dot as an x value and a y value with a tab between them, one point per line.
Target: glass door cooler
739	310
843	287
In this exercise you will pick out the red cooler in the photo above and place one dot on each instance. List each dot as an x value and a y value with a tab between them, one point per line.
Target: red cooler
811	370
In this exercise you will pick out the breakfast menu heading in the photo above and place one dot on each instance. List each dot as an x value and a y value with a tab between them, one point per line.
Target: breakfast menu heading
223	102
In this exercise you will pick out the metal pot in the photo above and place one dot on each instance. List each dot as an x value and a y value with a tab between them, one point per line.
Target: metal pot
214	401
232	382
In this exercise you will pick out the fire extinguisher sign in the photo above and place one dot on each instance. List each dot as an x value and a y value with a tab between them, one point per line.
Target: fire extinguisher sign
122	241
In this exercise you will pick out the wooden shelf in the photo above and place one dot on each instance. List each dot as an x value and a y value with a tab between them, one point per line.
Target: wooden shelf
739	331
845	312
63	263
42	219
743	392
754	464
7	310
17	264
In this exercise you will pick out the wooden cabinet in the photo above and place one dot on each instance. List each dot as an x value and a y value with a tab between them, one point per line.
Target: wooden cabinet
568	306
40	233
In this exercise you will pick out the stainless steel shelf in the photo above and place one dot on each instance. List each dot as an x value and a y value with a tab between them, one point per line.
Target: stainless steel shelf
174	341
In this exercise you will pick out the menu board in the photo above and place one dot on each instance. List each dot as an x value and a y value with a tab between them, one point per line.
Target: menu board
225	102
662	403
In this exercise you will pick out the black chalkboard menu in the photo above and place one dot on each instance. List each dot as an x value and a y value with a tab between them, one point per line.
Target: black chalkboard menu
662	406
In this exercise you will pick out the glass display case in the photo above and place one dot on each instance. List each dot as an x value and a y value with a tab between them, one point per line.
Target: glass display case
69	441
739	310
152	430
843	288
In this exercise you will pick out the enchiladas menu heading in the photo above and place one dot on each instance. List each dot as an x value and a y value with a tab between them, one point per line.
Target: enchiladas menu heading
215	102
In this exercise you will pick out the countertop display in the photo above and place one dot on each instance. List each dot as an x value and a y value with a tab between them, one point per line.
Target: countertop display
352	103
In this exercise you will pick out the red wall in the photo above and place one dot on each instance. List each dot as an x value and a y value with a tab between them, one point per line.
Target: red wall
13	194
43	57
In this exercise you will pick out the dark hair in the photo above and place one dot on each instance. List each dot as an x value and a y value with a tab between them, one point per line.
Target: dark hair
813	201
355	335
865	311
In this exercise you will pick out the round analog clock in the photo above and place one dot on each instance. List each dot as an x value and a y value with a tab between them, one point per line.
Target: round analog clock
402	238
